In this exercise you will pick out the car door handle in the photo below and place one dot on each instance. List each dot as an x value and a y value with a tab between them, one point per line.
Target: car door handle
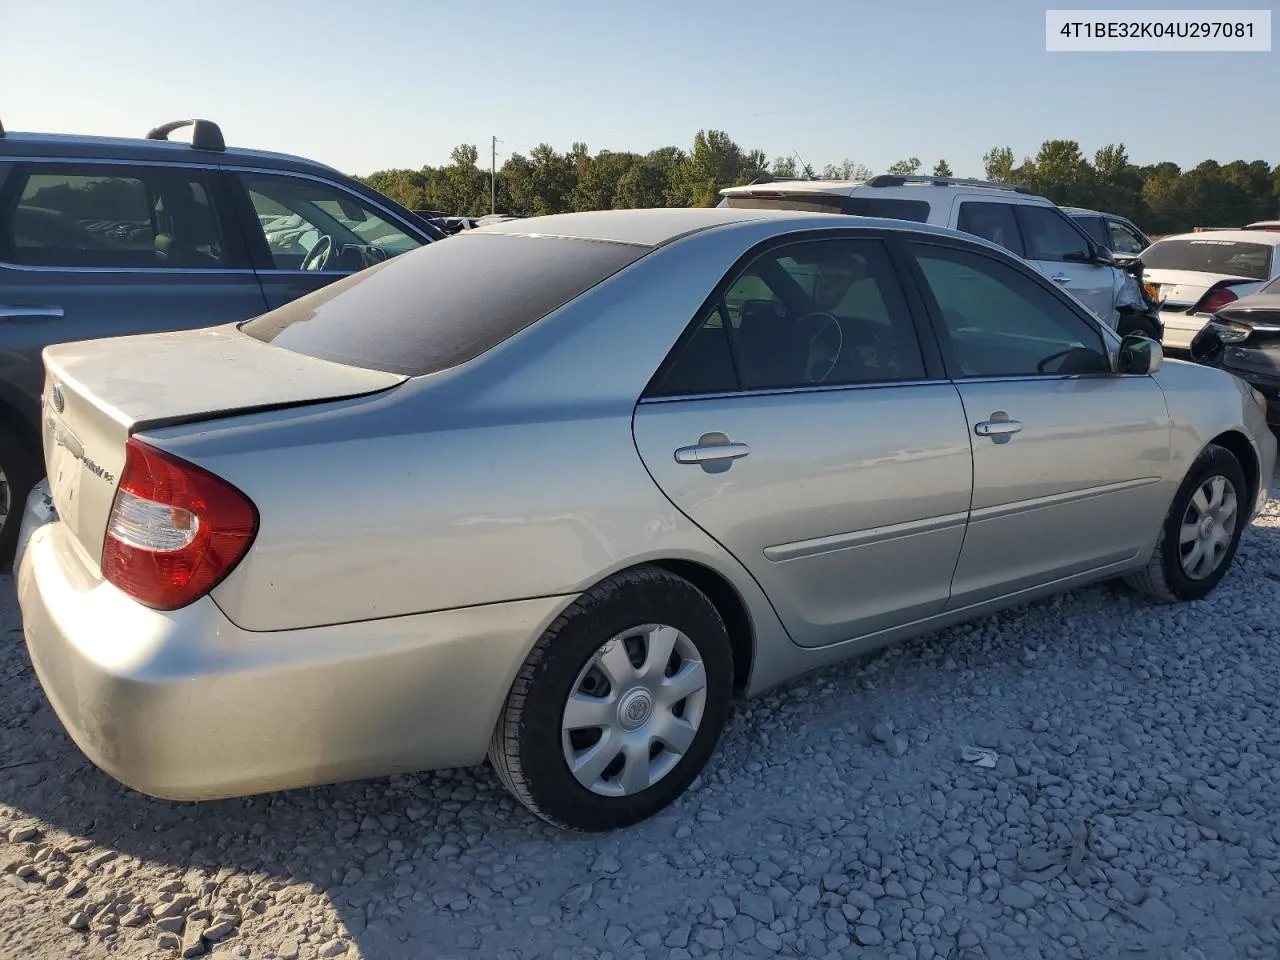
1061	279
22	312
997	428
711	452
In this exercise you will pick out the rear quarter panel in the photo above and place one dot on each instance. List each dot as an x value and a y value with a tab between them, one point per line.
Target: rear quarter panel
513	476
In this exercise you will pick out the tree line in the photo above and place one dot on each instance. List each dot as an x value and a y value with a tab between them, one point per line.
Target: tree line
1162	198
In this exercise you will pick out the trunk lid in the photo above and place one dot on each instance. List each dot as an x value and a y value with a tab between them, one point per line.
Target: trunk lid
1183	289
97	393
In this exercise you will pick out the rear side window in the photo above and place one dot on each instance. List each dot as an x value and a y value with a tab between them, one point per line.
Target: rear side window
890	208
1232	257
991	221
443	304
109	216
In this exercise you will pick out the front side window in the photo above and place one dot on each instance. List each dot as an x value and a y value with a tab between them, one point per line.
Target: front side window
108	216
1050	235
991	221
1003	323
311	225
822	312
1095	227
1123	239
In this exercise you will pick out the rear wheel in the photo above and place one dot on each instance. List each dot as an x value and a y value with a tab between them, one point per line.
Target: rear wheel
1201	532
19	471
619	705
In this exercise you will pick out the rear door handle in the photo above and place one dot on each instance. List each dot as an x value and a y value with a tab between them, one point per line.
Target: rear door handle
21	312
712	448
711	452
997	428
1061	279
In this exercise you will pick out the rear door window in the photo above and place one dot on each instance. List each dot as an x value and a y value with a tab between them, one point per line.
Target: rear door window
110	216
444	304
992	221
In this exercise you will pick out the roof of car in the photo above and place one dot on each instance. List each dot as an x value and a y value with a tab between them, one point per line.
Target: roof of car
1268	238
657	226
55	145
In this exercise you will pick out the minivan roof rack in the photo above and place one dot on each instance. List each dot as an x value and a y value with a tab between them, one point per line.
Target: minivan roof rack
898	180
205	134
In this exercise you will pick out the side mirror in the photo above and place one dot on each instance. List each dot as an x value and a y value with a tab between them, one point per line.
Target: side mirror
1207	347
1140	355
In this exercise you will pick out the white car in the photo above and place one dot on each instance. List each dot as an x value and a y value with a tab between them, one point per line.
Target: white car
1197	274
1030	226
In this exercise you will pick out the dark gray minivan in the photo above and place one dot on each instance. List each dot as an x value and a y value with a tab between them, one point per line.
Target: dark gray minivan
107	237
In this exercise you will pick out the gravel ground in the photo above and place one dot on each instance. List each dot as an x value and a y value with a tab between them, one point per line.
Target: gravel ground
1132	810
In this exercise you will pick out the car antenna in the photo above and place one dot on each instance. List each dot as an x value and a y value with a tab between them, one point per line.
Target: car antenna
808	170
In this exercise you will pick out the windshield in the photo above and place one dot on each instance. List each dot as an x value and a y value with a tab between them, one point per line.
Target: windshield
1233	257
443	304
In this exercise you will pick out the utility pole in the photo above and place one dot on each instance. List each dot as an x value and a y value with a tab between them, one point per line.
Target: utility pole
493	175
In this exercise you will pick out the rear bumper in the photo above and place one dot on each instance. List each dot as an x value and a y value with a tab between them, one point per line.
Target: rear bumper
185	705
1180	328
1260	368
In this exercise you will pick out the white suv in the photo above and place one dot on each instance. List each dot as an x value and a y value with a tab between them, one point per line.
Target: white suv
1029	225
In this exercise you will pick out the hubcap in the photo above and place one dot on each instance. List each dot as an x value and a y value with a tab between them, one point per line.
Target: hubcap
634	710
1208	527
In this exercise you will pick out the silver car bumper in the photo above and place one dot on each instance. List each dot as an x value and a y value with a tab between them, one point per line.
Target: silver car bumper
185	705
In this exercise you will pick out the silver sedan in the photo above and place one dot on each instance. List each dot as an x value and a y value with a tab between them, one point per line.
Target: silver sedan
557	490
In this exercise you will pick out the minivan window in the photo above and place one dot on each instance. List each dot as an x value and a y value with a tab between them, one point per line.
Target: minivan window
1235	258
443	304
110	216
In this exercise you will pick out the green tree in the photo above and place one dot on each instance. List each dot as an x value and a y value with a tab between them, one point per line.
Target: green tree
846	169
905	167
784	167
942	169
998	164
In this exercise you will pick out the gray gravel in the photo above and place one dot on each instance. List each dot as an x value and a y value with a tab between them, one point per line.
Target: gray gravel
1132	810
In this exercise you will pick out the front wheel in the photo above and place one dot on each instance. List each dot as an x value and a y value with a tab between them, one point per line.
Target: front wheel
1201	532
619	705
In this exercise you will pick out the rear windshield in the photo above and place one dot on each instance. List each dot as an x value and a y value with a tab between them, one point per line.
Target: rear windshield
1233	257
444	304
890	208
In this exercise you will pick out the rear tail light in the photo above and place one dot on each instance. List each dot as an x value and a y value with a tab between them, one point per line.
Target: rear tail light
1215	300
175	530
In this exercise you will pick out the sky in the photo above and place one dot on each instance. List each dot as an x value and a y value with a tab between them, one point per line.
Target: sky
399	83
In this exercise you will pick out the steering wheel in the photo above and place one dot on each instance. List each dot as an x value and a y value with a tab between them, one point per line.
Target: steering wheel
825	343
320	254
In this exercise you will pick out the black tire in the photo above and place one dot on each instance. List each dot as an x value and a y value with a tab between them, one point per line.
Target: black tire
1163	578
22	469
527	751
1131	323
